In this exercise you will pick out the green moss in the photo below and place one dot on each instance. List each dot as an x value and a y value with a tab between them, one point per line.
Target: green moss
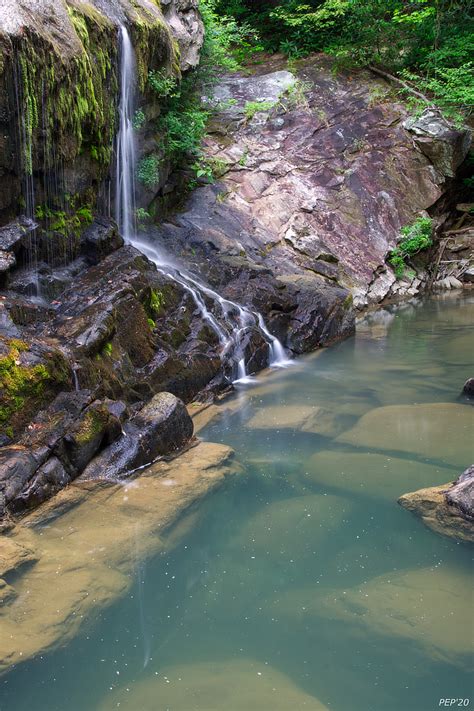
107	349
73	99
154	48
69	222
93	423
18	382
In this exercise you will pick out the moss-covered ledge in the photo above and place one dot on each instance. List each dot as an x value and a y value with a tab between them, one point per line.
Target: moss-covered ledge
59	89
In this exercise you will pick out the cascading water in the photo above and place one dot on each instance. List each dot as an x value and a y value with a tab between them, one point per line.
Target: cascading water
126	150
24	122
237	320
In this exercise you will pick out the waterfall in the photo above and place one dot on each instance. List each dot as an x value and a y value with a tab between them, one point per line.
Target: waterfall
126	149
25	121
237	320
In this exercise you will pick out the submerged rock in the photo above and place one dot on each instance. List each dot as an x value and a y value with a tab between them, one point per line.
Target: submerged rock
432	607
13	556
370	474
446	509
302	418
234	684
287	531
438	431
163	426
98	532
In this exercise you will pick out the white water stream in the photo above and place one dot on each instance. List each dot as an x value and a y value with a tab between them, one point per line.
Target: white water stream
234	320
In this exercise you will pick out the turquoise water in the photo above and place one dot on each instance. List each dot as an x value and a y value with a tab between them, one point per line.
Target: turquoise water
305	585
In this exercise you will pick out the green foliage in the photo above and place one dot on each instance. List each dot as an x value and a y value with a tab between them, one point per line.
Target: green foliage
67	222
430	42
253	107
210	168
222	32
415	238
184	128
162	83
138	119
155	302
107	349
142	215
244	157
148	171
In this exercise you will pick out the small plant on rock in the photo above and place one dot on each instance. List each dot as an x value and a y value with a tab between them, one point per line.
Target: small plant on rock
148	171
253	107
415	238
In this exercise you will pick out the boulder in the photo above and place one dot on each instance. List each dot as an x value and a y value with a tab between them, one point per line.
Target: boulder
432	507
445	145
47	480
95	428
468	275
161	427
468	388
100	239
17	466
461	494
60	441
13	236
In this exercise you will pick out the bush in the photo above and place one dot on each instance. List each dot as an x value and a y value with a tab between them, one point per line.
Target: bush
415	238
148	171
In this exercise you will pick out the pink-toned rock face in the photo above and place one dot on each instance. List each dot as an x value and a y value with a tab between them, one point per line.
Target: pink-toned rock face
320	184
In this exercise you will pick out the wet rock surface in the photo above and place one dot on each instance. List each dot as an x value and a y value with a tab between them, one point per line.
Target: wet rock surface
161	427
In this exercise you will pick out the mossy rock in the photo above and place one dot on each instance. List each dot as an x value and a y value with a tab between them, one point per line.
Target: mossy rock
29	378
